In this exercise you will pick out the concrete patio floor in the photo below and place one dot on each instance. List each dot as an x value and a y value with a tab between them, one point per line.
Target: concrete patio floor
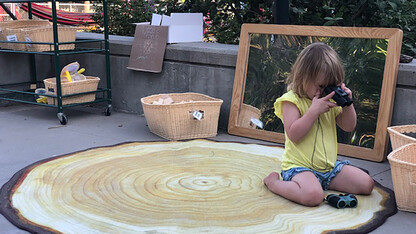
30	133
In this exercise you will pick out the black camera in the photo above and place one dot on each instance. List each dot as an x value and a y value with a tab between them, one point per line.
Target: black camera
340	96
342	200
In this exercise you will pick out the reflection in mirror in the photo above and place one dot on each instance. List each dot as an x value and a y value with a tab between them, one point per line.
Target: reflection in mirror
265	55
269	63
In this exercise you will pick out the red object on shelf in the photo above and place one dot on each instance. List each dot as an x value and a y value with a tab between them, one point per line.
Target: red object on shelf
63	17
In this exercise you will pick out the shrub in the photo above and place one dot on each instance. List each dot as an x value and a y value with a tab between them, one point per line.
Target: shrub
122	14
225	17
402	16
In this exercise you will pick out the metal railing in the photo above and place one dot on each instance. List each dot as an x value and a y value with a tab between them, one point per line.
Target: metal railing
12	7
85	7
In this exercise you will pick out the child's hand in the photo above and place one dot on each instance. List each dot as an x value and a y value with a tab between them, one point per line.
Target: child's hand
322	104
347	90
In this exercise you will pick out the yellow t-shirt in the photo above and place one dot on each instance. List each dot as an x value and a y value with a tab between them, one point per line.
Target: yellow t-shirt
317	150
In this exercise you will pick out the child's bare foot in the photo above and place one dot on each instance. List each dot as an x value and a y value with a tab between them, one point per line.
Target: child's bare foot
272	177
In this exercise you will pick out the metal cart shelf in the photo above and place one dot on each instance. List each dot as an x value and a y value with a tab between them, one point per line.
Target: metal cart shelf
28	96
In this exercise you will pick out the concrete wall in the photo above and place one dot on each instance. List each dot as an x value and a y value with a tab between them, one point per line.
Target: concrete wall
206	68
404	111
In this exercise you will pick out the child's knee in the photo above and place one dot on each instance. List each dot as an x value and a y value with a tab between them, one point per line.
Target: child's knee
367	186
313	197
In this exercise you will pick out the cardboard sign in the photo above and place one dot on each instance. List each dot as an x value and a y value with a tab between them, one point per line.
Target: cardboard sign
148	48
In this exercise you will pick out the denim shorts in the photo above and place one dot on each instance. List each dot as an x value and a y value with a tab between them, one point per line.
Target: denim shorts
323	177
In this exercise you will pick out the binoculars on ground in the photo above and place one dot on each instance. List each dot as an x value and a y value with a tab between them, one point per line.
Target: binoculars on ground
342	200
340	96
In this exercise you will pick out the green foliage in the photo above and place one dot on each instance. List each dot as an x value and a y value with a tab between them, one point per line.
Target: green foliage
225	17
122	14
363	13
323	12
402	16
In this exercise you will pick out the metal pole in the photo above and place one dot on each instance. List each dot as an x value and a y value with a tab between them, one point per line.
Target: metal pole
281	12
107	52
34	78
57	57
7	10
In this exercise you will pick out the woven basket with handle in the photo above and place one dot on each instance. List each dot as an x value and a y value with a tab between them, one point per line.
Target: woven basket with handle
89	84
398	135
175	121
11	30
403	170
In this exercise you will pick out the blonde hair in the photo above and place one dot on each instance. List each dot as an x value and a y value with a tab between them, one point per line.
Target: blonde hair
316	59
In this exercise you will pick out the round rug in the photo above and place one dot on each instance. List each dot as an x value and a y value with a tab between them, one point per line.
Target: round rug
172	187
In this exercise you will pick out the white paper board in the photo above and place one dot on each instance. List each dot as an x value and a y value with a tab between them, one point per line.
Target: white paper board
185	27
156	19
165	20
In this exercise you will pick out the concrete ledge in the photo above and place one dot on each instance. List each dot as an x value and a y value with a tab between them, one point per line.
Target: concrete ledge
197	53
407	74
206	68
405	97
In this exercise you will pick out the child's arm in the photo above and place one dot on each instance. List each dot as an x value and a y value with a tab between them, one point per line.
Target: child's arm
347	120
296	126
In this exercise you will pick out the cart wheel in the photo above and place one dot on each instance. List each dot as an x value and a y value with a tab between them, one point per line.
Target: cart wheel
62	118
107	111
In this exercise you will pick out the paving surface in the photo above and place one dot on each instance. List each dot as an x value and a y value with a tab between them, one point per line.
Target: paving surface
30	133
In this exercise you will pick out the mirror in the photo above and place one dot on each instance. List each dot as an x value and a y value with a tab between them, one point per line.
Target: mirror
266	53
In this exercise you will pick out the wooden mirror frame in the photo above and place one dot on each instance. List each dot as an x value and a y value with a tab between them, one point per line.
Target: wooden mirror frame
394	36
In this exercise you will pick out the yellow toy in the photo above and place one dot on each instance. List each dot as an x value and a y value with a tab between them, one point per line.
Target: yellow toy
72	73
68	76
42	99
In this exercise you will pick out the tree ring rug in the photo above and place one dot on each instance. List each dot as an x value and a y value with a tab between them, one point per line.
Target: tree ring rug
196	186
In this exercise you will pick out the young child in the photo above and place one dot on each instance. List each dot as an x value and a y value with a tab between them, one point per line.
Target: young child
309	164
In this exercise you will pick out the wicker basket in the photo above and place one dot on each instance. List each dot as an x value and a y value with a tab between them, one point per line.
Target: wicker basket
175	121
12	30
43	34
397	136
403	171
246	113
90	84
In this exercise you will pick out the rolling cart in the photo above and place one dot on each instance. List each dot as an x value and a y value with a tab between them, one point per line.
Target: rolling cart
28	95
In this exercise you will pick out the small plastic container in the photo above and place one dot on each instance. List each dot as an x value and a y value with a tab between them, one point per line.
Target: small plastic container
40	92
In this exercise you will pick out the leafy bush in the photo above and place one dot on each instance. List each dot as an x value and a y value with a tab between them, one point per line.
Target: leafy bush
224	17
370	13
343	13
122	14
402	16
